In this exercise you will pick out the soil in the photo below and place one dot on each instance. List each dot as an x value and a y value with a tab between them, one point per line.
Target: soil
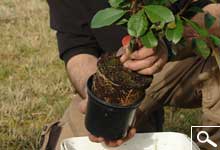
117	85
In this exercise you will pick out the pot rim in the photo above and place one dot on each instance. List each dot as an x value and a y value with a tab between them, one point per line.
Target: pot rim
96	99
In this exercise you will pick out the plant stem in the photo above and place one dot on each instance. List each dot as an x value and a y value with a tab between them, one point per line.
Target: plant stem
185	7
216	52
134	6
134	9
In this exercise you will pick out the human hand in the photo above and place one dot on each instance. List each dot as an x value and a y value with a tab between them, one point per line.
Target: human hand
131	132
146	61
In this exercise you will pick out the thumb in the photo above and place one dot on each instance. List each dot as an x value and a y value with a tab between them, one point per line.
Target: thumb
83	106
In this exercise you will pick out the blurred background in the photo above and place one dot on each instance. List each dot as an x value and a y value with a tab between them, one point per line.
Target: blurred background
34	88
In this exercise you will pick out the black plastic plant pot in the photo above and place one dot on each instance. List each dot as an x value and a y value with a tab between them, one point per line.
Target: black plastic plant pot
106	120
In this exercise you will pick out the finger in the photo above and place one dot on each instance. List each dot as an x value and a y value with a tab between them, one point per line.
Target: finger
95	139
141	64
100	139
83	106
132	132
130	135
119	142
143	53
120	52
124	57
111	143
114	143
153	69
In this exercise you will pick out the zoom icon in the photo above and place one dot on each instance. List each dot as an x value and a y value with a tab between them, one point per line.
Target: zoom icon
204	137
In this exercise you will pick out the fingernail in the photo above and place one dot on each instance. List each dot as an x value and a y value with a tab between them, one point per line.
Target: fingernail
119	142
122	59
126	65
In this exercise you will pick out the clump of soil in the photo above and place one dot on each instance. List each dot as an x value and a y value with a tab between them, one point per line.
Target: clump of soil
117	85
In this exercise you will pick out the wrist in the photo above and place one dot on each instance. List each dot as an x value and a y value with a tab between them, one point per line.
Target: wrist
79	69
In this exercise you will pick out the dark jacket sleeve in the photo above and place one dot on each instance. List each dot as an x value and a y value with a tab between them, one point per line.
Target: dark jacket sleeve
69	18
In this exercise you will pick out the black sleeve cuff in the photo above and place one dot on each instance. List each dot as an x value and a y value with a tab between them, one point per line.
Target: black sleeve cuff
72	52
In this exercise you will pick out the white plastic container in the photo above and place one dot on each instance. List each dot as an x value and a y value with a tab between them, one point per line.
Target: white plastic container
145	141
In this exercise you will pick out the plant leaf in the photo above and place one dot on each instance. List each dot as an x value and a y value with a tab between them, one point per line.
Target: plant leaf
149	40
175	34
158	13
201	47
106	17
201	31
122	21
215	40
209	20
115	3
173	1
137	24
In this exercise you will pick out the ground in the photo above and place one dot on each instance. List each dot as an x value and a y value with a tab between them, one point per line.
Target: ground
34	89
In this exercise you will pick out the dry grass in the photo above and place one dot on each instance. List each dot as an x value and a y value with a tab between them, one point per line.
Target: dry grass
34	89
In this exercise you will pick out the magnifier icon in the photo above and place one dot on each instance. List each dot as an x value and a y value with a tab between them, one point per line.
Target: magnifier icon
206	139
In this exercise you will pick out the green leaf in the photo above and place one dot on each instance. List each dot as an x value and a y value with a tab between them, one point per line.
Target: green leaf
157	13
122	21
209	20
201	47
126	5
115	3
215	40
106	17
137	24
201	31
173	1
149	40
175	34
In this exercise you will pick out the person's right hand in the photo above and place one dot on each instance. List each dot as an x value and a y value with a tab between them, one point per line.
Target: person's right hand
145	61
132	131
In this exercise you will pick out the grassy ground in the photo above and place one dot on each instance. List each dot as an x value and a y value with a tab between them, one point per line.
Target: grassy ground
34	89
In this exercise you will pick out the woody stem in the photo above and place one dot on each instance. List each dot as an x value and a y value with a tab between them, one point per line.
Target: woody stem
216	52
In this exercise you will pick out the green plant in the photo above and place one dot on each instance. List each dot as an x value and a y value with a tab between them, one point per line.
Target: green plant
149	21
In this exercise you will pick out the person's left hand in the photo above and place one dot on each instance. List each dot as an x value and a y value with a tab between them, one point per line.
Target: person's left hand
146	61
131	132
